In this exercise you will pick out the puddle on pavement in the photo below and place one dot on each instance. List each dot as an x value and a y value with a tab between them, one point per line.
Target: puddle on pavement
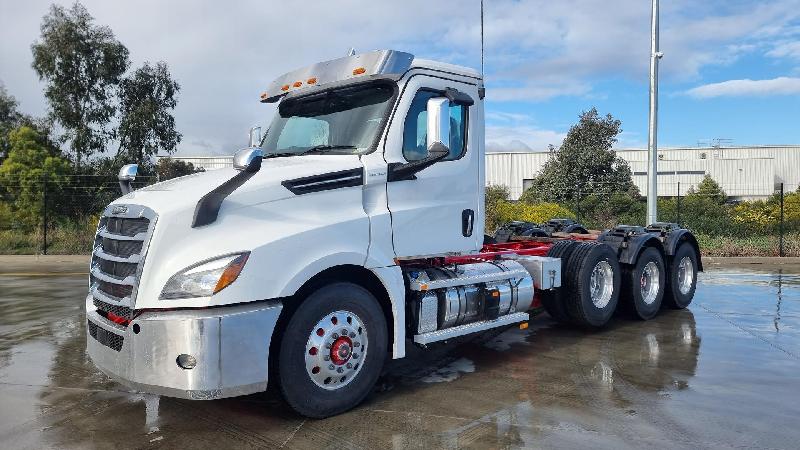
723	372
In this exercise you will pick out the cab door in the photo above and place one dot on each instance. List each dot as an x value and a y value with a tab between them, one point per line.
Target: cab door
439	210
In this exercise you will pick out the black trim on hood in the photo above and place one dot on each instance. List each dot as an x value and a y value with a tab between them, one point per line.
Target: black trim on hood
207	208
325	181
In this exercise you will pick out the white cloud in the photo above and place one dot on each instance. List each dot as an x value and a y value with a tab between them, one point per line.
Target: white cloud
512	132
786	49
224	53
747	87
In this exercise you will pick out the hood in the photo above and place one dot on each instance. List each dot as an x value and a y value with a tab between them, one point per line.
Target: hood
183	193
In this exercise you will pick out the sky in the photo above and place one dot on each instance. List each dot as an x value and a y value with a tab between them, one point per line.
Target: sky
731	68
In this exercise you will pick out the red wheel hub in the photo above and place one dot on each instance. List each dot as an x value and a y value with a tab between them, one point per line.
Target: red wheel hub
341	350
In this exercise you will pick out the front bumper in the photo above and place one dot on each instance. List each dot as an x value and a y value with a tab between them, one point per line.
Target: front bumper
230	345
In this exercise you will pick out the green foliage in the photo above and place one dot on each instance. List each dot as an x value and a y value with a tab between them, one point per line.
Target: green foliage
9	118
584	164
605	211
168	168
22	174
710	189
147	98
81	64
531	212
494	196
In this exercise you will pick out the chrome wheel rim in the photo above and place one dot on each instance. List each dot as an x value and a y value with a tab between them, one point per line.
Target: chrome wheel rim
685	275
335	351
650	283
601	284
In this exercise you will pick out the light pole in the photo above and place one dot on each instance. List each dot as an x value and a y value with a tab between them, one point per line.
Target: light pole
652	140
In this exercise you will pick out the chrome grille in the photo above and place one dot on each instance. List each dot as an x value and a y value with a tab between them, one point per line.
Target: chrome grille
118	257
127	227
116	269
115	290
123	249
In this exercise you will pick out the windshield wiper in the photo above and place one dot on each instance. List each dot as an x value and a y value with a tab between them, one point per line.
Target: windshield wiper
314	149
325	148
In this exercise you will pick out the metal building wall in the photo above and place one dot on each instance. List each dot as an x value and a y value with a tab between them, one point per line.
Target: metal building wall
744	172
205	162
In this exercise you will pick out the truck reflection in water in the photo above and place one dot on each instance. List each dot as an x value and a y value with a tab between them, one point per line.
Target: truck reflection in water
548	370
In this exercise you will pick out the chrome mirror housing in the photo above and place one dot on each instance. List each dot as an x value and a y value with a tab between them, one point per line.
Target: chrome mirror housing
255	137
438	125
248	159
126	175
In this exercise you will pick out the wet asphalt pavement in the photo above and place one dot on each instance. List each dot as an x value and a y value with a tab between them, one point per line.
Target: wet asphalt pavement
724	373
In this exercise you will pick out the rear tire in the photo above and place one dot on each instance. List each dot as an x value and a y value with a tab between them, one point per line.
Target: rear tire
682	277
322	370
553	299
593	283
643	284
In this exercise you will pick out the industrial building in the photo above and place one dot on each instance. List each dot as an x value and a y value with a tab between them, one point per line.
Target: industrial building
745	173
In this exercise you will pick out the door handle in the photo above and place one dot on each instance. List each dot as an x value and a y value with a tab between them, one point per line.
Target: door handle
467	222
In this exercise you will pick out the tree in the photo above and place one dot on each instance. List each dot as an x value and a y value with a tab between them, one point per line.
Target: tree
168	168
494	196
584	164
23	172
147	98
82	64
710	189
9	119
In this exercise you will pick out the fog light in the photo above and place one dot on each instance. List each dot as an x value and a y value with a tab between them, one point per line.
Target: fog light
186	361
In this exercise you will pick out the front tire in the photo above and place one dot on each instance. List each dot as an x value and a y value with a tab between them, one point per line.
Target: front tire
332	351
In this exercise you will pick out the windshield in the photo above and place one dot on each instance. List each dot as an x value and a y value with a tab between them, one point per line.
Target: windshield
341	121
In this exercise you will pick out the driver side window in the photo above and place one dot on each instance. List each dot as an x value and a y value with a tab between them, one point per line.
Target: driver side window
415	129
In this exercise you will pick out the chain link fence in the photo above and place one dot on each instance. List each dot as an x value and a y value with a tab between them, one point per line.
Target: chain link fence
758	223
59	216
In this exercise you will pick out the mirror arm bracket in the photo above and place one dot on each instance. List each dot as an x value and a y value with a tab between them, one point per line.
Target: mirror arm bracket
407	171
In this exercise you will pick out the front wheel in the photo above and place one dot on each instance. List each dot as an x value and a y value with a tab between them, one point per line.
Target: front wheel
332	351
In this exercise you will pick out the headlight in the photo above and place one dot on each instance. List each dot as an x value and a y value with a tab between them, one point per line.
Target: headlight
205	279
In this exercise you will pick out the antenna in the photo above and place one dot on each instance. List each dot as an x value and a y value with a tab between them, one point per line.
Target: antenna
482	88
481	38
352	51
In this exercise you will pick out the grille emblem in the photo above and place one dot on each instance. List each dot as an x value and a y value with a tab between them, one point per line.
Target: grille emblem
119	209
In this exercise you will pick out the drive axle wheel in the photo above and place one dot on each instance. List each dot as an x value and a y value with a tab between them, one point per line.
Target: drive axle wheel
682	277
332	350
643	284
593	279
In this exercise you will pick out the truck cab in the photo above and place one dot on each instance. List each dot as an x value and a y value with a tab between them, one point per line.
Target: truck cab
350	230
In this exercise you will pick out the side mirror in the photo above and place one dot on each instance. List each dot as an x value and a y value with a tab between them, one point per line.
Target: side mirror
248	159
126	175
255	137
438	142
438	125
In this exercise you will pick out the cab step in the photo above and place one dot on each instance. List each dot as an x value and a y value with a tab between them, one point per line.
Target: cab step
469	328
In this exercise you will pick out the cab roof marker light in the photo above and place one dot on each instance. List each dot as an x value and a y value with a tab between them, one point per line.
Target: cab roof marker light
263	96
297	84
388	64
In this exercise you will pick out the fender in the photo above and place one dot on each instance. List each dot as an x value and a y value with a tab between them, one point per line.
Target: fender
628	242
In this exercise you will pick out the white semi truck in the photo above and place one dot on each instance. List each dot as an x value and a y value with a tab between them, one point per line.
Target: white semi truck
353	229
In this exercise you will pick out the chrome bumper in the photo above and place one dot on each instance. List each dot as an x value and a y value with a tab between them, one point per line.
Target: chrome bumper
230	345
